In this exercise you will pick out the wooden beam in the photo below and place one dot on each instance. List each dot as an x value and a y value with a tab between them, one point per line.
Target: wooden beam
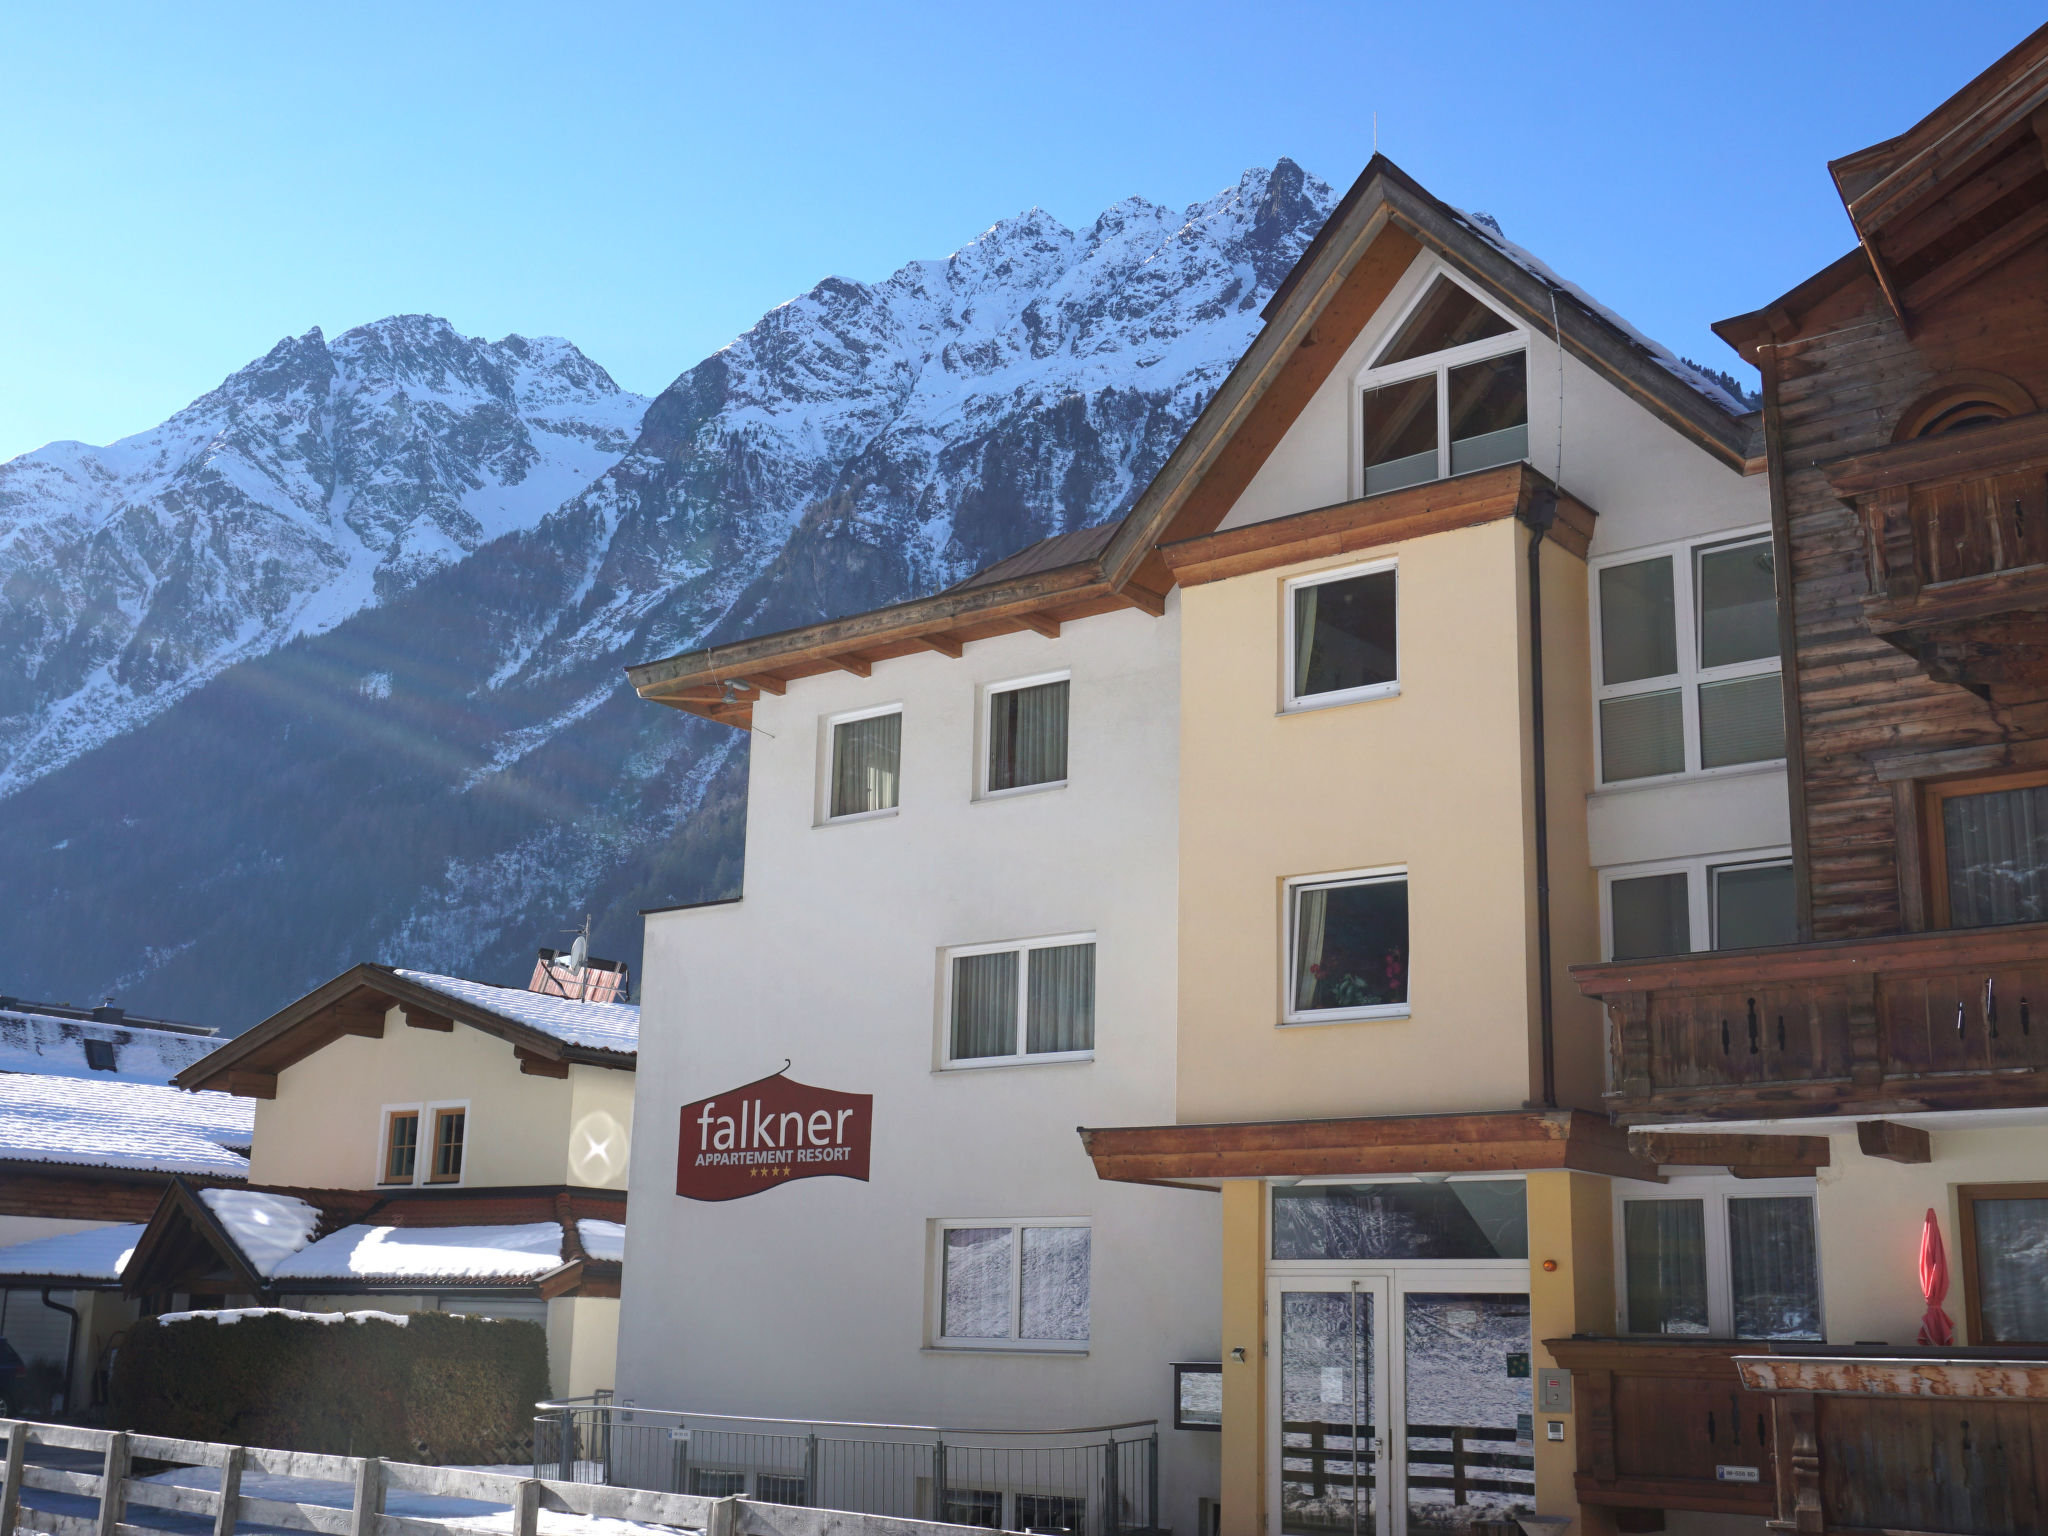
367	1026
419	1018
1689	1149
245	1084
766	683
1980	258
533	1064
945	645
1895	1142
1039	624
1144	599
858	666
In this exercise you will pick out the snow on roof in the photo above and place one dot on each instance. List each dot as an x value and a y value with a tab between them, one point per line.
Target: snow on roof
267	1228
100	1253
602	1239
598	1026
123	1125
55	1047
521	1252
1484	226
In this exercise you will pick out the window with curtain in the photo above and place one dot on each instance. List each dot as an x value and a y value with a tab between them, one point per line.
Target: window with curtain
1992	859
1723	1265
1447	395
1019	1002
1649	915
2006	1276
1027	735
1688	661
1341	638
1348	948
1014	1283
1685	905
865	756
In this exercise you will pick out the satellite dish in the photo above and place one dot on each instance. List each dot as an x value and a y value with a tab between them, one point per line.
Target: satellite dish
579	952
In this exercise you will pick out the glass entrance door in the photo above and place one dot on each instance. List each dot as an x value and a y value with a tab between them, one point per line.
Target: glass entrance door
1329	1377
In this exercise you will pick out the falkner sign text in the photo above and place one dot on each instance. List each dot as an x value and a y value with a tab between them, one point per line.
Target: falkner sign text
750	1139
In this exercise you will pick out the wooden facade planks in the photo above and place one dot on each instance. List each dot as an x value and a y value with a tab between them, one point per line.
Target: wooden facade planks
1842	384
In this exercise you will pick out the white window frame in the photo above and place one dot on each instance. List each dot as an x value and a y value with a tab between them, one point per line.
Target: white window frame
1701	911
1714	1191
828	731
1684	555
1370	377
423	1163
1011	1345
385	1115
1021	1058
1289	1015
985	735
1292	703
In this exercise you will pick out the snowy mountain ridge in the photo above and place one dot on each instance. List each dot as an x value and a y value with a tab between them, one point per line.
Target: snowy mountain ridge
319	479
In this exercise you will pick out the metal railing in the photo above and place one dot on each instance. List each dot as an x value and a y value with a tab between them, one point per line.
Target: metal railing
1096	1481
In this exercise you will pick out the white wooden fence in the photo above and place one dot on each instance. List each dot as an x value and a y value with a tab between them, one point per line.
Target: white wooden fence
370	1477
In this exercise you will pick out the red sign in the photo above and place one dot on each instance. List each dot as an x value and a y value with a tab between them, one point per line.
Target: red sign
767	1133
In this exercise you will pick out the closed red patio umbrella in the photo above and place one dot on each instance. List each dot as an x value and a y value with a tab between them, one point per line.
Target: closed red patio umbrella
1935	1327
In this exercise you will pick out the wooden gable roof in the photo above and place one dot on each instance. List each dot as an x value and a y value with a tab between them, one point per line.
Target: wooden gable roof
356	1003
1344	277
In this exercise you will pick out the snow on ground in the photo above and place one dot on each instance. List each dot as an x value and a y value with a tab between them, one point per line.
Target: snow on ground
482	1253
123	1125
267	1228
225	1316
99	1254
600	1026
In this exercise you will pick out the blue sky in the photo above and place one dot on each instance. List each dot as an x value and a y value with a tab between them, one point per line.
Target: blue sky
187	184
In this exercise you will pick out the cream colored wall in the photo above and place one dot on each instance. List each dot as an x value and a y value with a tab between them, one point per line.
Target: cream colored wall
1434	779
1243	1494
325	1127
1571	1225
1870	1212
583	1344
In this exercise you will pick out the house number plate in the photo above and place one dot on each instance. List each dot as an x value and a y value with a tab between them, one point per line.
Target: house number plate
1738	1474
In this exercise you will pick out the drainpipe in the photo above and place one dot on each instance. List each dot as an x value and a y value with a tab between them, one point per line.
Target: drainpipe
70	1345
1539	515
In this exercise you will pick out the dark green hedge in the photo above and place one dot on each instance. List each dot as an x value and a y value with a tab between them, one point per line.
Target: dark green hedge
440	1388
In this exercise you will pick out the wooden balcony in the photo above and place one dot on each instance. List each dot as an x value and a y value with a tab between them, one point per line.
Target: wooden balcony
1918	1442
1956	1019
1958	539
1669	1424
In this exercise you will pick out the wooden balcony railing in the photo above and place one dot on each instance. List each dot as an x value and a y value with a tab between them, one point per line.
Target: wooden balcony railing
1668	1424
1958	543
1918	1442
1956	1019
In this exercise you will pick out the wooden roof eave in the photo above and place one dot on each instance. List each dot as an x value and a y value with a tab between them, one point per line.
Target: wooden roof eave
181	1204
1782	319
1500	1141
252	1050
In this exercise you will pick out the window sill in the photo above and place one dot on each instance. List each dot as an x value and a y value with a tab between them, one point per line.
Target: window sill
1036	1059
1020	789
840	821
1314	702
1345	1015
1076	1351
1691	776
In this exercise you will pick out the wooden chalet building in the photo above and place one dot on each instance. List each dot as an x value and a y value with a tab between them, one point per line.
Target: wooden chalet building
1899	1050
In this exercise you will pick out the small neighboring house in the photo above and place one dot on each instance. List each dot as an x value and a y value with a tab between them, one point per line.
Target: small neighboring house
420	1142
83	1163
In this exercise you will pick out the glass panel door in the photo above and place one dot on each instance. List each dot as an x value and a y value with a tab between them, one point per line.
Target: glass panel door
1329	1375
1470	1450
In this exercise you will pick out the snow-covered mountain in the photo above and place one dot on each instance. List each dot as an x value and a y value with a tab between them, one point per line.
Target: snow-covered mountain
320	478
457	771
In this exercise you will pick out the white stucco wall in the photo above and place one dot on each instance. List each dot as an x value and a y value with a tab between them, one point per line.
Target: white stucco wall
812	1298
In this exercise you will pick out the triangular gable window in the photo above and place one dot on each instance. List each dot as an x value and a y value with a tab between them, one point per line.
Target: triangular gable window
1447	317
1454	374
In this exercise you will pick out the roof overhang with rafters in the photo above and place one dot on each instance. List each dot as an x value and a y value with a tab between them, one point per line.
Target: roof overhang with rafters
1347	273
357	1003
1951	197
